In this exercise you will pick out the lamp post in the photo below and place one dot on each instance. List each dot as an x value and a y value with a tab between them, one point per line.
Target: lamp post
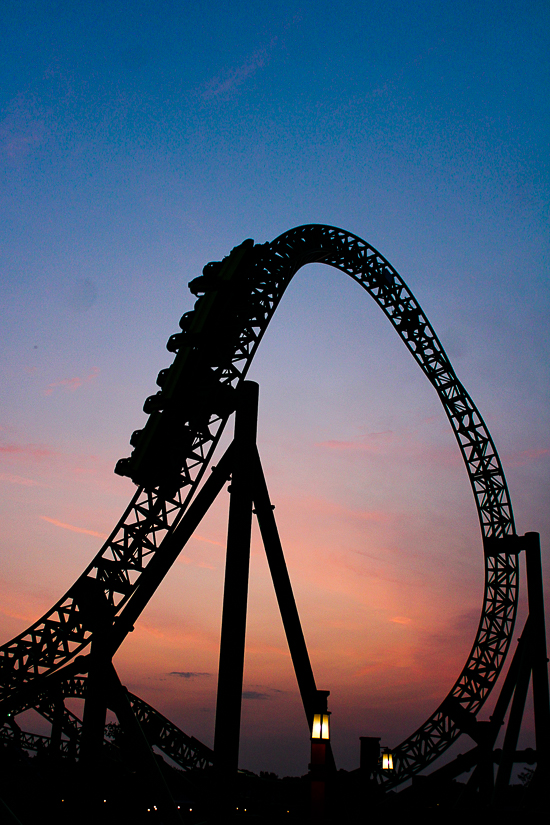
374	761
320	742
369	757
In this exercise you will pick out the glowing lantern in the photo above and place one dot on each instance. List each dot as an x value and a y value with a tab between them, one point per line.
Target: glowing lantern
320	729
387	760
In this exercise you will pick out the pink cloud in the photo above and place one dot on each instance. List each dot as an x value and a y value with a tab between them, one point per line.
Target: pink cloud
21	604
210	541
372	443
390	444
23	612
72	383
187	560
372	667
13	479
24	463
400	620
523	457
73	528
325	507
21	617
27	450
192	560
192	637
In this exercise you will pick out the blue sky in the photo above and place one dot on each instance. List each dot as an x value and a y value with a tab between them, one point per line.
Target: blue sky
139	141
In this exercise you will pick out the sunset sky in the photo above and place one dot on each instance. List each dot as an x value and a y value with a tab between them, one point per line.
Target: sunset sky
140	140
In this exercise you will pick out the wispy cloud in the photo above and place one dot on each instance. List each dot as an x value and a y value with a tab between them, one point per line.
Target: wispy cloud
187	560
82	295
27	450
372	443
322	505
389	444
523	457
22	604
192	638
224	84
24	463
22	131
188	674
393	83
254	694
13	479
73	528
16	614
72	383
209	541
195	562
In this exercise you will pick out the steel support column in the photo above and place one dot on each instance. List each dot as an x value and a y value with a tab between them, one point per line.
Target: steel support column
283	590
541	698
235	598
98	661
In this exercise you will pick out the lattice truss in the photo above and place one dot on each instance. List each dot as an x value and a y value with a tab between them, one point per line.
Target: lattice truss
184	750
120	569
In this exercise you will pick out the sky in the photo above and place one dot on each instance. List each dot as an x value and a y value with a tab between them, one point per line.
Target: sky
138	141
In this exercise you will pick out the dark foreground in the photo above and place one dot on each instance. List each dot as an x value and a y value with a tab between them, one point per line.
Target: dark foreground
40	788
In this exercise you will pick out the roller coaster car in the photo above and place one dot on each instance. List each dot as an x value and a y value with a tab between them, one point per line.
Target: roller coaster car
161	456
208	281
192	389
169	436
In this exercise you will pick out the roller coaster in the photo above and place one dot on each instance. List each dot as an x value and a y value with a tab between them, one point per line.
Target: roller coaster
60	655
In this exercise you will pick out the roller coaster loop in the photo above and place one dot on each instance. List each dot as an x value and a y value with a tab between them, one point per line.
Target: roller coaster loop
213	351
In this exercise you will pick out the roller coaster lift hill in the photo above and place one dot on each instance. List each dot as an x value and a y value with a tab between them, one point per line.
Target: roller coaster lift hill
69	651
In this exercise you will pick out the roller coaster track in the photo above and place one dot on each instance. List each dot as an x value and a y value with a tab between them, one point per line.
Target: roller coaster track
237	299
184	750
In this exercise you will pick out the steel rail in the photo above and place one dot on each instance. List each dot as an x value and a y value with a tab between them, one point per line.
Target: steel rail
186	751
151	517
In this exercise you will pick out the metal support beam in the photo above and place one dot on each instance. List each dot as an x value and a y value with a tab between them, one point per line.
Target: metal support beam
171	547
541	698
235	598
98	661
119	702
283	591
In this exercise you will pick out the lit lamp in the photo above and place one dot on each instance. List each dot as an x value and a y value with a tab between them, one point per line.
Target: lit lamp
387	760
320	728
